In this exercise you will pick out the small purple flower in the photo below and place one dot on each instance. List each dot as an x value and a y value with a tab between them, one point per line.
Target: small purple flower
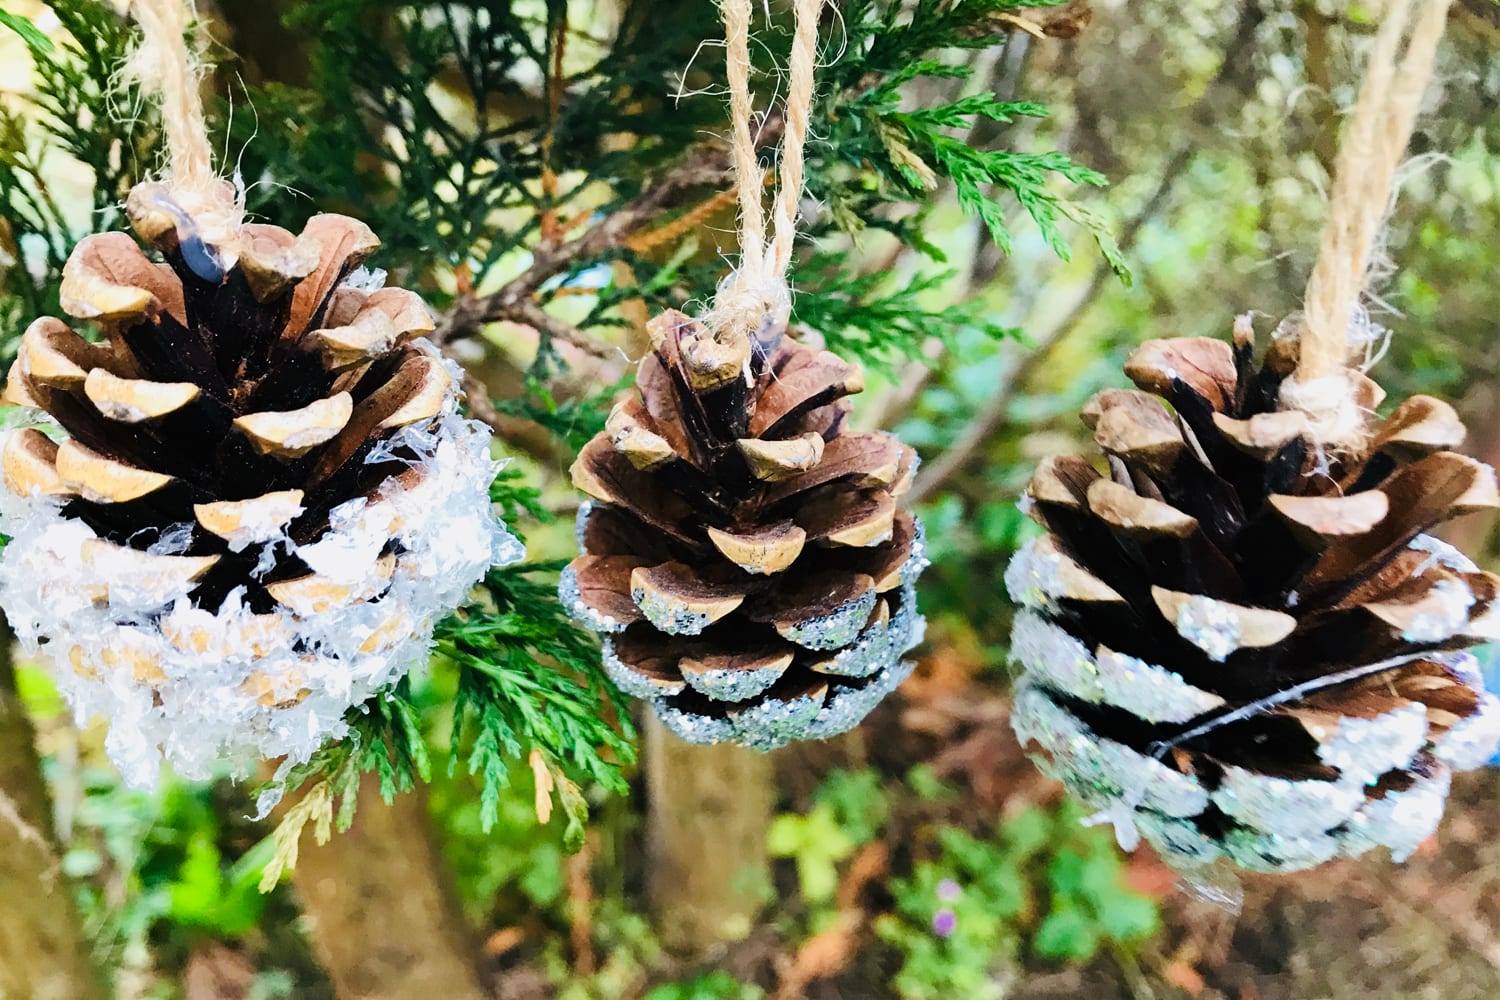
944	922
948	890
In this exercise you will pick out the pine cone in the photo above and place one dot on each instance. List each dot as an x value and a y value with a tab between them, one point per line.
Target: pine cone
263	498
1241	645
744	554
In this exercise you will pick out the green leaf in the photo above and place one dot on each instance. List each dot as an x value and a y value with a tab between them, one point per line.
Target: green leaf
1128	917
818	843
1066	934
33	36
1027	833
545	877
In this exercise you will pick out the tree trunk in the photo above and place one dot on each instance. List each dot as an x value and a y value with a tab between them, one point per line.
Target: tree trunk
706	839
43	955
383	919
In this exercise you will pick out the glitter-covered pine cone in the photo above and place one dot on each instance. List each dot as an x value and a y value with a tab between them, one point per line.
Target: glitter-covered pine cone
241	511
1193	622
744	555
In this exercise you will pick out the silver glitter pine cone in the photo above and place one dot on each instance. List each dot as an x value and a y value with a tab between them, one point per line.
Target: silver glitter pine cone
743	554
239	513
1202	626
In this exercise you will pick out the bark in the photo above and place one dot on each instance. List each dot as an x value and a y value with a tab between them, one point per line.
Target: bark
382	917
706	839
43	954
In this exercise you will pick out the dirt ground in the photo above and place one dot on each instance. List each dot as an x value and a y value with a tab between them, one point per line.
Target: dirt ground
1428	930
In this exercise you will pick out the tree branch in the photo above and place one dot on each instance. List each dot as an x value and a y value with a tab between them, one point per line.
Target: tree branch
1018	368
705	166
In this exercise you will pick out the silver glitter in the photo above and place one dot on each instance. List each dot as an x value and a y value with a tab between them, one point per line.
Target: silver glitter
1473	740
1273	852
1063	663
1054	657
916	560
581	523
1179	840
1211	625
571	596
834	630
632	681
1121	816
691	727
1153	693
1442	553
1290	808
1101	769
1463	665
1031	577
846	707
670	616
772	722
732	685
1364	749
1399	821
1453	600
877	646
863	656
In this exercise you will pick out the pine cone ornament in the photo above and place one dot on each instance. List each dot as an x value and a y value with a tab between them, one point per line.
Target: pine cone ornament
744	555
241	510
1241	645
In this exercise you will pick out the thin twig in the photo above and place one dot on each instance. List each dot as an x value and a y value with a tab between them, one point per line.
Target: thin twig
703	166
533	315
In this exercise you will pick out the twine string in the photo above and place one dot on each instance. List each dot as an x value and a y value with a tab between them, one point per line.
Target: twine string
164	65
1379	130
802	68
746	160
754	299
204	209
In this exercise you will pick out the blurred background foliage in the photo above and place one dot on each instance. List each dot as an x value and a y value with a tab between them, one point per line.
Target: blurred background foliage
920	857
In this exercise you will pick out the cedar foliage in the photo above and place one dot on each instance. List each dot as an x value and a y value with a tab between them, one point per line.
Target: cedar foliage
445	127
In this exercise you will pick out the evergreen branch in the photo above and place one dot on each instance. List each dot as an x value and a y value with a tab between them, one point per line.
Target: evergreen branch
702	166
981	427
529	680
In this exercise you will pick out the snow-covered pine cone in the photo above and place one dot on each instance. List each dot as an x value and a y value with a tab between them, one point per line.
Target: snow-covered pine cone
743	554
257	496
1200	622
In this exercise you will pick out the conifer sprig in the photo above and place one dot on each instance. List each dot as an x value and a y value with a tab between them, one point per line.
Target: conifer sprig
499	188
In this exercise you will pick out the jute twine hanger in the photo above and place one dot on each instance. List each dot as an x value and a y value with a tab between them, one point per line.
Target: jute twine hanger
1379	130
190	194
754	302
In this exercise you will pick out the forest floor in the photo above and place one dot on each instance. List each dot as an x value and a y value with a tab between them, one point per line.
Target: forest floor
1425	930
1428	930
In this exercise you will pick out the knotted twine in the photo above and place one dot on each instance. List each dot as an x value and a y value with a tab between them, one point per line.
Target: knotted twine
1379	130
190	189
753	301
